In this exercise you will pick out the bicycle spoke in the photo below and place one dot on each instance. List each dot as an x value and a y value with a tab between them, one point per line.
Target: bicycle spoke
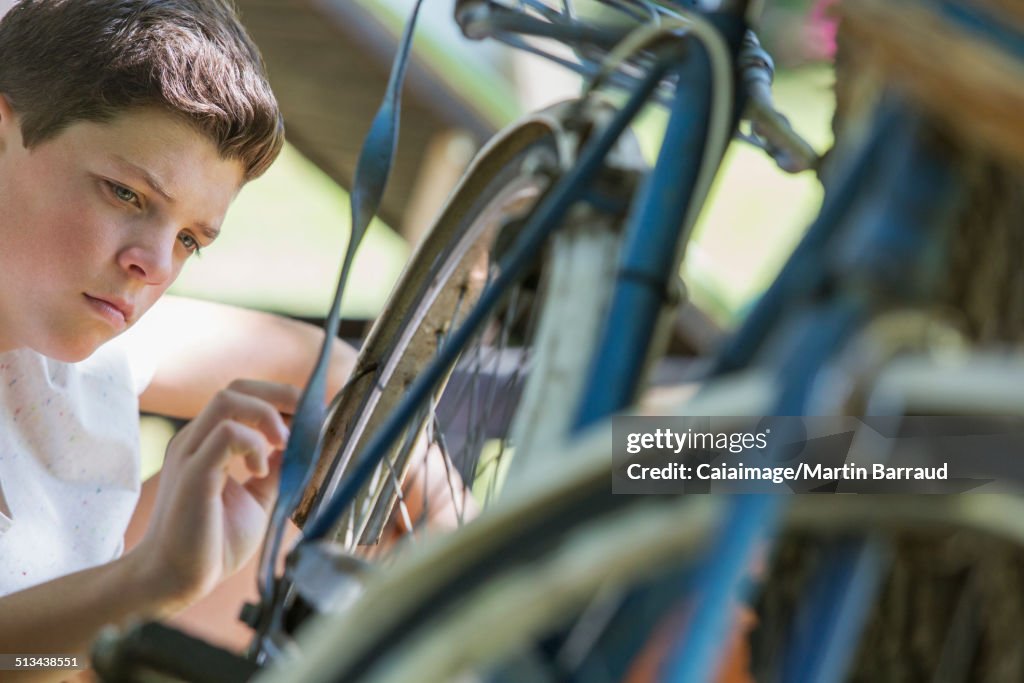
476	406
435	435
400	502
474	398
484	424
469	390
515	381
459	503
391	478
510	386
460	510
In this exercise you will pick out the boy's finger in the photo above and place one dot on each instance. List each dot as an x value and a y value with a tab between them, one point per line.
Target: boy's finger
284	397
238	407
231	439
264	489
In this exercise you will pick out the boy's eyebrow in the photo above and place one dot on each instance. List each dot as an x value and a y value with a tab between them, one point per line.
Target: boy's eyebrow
209	231
150	179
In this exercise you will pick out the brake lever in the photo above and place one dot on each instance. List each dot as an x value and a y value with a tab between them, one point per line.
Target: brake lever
770	129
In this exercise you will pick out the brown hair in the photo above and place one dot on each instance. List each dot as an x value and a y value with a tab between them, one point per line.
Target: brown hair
63	61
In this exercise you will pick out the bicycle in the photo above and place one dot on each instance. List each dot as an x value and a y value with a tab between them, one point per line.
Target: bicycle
739	354
636	48
861	589
757	72
581	118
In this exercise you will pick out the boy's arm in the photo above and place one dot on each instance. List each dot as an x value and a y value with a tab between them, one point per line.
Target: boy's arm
205	526
200	347
31	622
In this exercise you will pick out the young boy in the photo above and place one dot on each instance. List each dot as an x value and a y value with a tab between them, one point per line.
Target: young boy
127	127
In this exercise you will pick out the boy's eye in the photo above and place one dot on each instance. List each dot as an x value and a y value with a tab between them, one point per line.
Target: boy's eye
190	243
125	195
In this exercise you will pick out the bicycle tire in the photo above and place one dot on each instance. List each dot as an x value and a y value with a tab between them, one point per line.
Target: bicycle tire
432	294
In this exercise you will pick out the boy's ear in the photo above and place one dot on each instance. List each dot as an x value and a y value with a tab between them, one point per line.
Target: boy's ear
8	123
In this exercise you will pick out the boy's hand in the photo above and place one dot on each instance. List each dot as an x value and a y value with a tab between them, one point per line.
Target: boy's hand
205	524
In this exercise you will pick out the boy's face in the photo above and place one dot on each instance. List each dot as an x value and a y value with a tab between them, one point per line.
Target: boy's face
98	221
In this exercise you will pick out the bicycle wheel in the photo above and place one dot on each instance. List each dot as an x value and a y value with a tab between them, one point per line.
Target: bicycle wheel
453	459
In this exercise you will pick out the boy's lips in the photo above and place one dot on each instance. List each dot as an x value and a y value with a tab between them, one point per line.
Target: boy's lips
113	308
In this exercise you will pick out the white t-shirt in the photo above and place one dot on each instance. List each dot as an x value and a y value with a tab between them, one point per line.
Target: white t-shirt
69	463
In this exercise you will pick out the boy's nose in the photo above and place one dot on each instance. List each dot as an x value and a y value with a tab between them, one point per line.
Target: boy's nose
153	262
